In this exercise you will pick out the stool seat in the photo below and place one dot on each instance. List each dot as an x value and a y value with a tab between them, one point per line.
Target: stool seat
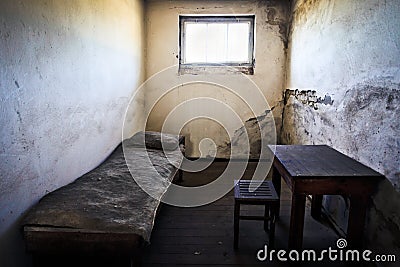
251	192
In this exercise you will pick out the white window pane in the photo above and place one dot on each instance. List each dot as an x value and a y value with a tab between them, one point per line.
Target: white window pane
217	42
238	40
195	43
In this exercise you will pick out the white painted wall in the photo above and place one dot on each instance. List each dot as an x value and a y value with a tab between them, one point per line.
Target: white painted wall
68	69
350	50
162	28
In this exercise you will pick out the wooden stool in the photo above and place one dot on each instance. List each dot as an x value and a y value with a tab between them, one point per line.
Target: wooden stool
266	195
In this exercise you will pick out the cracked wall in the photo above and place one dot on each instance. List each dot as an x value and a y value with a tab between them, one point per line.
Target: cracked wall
258	131
163	48
344	80
68	69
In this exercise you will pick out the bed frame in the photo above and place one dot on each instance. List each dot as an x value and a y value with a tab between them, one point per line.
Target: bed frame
101	219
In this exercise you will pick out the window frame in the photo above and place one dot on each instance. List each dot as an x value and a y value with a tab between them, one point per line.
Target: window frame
195	68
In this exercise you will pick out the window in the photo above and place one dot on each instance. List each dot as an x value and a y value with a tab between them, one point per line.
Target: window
215	42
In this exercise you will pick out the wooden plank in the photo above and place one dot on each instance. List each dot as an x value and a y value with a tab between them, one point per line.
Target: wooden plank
227	259
265	192
194	232
85	260
65	240
330	186
320	161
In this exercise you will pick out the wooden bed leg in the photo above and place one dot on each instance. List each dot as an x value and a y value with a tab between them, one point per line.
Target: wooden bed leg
180	176
136	260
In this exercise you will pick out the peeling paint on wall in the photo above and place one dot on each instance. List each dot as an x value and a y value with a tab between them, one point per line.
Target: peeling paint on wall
308	97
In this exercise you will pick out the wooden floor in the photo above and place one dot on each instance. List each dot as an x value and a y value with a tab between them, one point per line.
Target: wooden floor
203	236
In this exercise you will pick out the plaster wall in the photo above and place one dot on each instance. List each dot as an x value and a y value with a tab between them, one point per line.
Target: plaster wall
162	28
68	70
344	91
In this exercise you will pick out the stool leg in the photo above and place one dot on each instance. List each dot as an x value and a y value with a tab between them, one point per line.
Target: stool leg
236	225
266	217
273	211
272	231
180	176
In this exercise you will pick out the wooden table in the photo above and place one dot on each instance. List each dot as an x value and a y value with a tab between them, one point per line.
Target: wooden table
321	170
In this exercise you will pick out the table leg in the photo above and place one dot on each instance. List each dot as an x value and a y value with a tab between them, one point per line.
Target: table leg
357	214
297	221
316	206
276	180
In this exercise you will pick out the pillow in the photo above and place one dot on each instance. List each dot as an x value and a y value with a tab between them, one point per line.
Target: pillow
154	140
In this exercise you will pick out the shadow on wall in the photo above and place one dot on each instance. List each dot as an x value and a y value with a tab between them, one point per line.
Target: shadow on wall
362	123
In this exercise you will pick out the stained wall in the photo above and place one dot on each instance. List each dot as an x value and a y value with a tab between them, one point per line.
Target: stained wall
162	28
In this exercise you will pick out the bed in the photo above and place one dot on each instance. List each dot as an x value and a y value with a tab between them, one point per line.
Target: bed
106	212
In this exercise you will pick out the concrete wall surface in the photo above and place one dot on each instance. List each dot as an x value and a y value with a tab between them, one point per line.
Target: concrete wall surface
68	70
344	91
162	28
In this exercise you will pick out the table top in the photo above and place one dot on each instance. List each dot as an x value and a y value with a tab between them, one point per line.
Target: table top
319	161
